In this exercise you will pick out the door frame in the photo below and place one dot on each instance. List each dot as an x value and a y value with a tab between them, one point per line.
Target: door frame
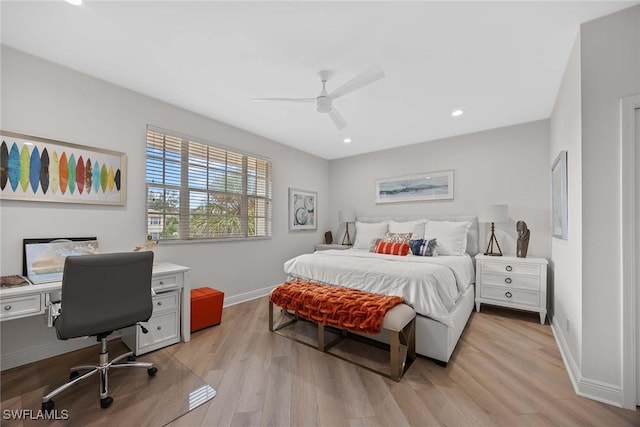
628	175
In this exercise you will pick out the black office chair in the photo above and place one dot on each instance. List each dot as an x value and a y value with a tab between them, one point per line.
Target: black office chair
102	293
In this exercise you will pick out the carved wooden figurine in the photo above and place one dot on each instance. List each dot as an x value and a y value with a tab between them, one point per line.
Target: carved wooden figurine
523	239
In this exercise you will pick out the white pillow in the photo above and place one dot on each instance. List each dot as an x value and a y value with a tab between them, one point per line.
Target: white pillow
451	236
415	227
367	231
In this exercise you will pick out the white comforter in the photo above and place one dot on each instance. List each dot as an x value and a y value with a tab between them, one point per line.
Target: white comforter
430	284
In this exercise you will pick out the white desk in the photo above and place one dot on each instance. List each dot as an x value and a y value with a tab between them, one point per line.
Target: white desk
33	300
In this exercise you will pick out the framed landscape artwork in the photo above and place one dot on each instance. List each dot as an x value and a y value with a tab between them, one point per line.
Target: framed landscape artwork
559	214
425	186
302	210
43	170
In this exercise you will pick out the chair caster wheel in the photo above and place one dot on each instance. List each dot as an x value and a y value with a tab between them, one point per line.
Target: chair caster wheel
131	358
152	371
48	406
73	375
106	402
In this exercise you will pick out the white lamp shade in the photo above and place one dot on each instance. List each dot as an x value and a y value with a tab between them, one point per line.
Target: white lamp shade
346	216
493	213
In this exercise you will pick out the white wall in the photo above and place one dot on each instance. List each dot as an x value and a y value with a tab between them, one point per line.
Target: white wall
566	255
44	99
610	55
506	165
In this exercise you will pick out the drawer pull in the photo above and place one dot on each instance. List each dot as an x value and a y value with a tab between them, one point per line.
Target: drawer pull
508	268
7	307
508	294
507	280
159	328
159	302
162	282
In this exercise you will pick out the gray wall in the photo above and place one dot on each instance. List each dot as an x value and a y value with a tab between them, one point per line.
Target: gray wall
506	165
604	67
610	70
44	99
566	255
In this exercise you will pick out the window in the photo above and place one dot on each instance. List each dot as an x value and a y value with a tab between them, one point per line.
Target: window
199	191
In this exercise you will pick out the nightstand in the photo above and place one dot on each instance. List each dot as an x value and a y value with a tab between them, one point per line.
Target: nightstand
326	246
512	282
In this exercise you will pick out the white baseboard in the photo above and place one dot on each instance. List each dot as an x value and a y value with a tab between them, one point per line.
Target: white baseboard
586	387
247	296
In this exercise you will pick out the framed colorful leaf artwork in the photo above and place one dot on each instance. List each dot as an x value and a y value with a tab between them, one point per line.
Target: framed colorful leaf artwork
43	170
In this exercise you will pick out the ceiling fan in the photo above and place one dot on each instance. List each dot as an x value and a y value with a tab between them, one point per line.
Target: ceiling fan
324	101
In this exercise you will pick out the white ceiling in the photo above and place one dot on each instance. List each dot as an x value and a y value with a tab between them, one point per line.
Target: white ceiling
501	62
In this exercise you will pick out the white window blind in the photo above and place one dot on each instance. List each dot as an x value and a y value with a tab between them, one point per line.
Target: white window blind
199	191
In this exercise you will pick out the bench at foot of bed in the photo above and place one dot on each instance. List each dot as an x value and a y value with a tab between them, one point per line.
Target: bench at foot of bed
399	321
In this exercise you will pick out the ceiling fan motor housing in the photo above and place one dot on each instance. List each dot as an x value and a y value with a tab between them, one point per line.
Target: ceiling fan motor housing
324	104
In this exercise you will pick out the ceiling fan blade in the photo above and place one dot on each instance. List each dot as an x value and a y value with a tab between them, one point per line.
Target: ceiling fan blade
337	119
363	79
285	99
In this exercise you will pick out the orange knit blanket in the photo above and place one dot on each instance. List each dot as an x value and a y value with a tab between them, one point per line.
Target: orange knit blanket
336	306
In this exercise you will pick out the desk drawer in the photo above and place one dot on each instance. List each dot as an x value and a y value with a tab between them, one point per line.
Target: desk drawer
20	306
165	302
162	282
163	330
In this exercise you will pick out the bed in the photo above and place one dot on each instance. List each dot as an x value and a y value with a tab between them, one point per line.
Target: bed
440	288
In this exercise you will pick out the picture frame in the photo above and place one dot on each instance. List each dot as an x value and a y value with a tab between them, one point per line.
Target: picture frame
45	170
426	186
303	213
559	211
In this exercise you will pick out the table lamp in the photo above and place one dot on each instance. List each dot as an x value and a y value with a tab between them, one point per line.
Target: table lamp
346	217
493	214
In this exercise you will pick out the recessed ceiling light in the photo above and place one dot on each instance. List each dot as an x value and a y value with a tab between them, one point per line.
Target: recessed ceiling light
457	113
74	2
347	140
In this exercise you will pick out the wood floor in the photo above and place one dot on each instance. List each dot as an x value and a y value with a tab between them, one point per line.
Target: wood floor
506	371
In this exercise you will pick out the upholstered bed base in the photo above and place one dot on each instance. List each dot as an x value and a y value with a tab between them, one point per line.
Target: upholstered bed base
437	341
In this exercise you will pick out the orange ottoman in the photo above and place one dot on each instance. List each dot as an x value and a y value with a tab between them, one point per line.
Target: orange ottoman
206	308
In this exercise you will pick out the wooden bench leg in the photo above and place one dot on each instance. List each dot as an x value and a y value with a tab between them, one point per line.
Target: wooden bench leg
321	337
395	357
401	344
280	325
270	316
412	339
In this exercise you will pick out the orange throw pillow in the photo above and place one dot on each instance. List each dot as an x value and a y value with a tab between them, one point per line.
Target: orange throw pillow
392	248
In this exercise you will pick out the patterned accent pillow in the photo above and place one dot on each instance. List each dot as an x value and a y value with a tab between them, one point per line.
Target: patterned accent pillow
422	247
392	248
374	243
397	237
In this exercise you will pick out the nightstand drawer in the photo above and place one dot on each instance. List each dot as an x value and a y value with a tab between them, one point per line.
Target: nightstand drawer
515	296
511	268
527	282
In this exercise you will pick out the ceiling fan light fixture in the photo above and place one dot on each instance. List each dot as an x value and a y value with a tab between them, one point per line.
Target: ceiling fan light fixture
457	113
323	104
324	101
